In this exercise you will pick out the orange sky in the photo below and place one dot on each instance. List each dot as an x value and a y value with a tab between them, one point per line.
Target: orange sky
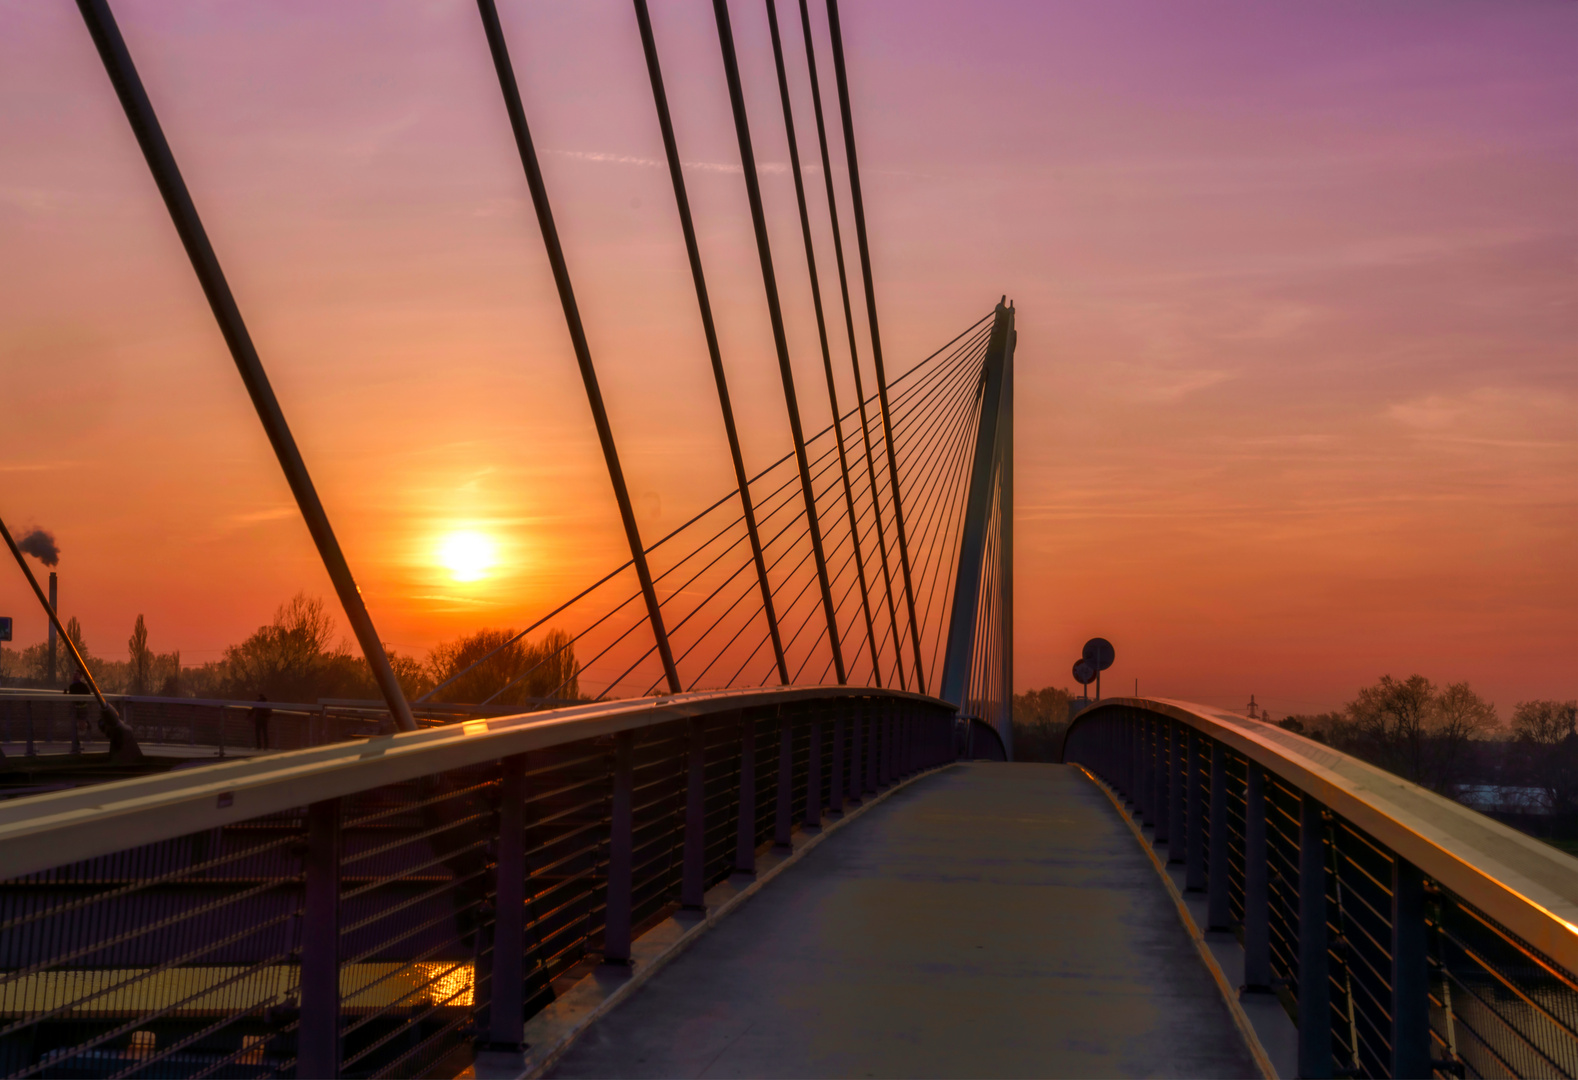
1296	382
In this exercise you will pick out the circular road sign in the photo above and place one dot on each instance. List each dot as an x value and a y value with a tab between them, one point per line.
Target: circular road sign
1099	651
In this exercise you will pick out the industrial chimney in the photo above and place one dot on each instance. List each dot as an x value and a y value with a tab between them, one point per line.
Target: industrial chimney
53	606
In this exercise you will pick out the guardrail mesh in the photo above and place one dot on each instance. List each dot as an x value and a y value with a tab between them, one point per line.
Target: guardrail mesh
1497	1006
178	958
185	957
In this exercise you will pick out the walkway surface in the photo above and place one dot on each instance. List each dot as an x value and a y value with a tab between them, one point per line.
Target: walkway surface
991	920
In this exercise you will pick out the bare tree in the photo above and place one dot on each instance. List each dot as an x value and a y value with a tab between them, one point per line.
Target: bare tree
293	658
1545	752
518	672
1040	718
1422	735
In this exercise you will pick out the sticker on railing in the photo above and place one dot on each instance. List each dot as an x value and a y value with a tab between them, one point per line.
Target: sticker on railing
475	727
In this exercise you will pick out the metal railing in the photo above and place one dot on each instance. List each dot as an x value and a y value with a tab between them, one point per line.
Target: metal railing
1406	934
382	907
42	723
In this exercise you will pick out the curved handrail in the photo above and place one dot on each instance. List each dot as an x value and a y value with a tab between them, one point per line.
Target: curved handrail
973	725
1527	885
44	831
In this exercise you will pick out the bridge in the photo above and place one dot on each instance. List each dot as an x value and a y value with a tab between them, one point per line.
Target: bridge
767	820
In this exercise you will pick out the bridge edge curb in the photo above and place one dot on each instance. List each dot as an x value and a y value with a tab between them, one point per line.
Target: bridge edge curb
1241	1020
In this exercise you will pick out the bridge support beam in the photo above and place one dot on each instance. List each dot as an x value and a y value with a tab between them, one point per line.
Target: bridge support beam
693	883
1177	818
873	723
857	776
1219	914
318	1035
621	852
1148	764
745	831
1410	973
506	1009
1164	797
813	772
1315	1062
835	786
1257	875
1194	866
783	814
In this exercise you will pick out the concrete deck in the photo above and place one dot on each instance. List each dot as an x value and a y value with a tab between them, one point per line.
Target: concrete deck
991	920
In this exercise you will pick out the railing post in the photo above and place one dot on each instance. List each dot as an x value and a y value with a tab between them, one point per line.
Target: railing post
813	771
900	727
1257	874
783	816
1164	792
616	930
1194	855
883	751
857	776
318	1036
901	741
1410	973
835	786
873	747
1136	796
745	832
1219	913
506	1015
1314	1019
1177	818
1147	770
1125	757
693	884
1158	769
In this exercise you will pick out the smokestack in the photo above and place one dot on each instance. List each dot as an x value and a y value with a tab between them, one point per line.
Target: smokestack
53	606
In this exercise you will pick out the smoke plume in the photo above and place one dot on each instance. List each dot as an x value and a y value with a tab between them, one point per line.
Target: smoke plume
41	545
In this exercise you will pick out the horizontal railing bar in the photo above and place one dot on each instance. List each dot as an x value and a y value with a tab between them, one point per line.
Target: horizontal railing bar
42	831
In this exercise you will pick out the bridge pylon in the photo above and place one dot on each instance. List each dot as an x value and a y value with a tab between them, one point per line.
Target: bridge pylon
978	666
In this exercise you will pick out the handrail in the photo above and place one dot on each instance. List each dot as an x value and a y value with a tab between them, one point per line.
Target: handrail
1527	885
974	724
44	831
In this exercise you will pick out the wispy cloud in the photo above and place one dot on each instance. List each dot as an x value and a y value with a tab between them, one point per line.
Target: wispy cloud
769	167
257	517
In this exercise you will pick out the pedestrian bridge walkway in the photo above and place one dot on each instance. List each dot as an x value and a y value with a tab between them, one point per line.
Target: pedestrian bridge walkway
809	881
984	920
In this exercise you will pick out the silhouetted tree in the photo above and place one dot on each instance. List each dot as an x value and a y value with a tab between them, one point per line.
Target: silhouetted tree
1544	753
1040	718
293	658
140	659
518	671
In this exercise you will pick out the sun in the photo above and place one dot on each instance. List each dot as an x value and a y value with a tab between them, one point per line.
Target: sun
467	555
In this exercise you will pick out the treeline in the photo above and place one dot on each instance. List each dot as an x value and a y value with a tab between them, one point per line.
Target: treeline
1445	738
1040	718
299	657
1449	739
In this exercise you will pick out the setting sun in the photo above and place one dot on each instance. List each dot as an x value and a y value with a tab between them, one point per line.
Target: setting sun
468	556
